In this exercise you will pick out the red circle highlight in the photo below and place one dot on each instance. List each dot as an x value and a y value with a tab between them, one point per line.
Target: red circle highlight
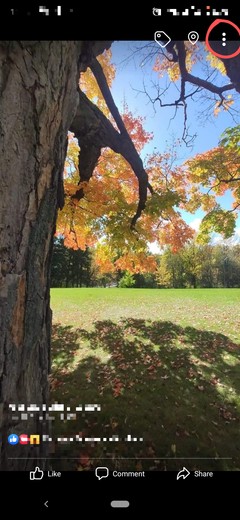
214	24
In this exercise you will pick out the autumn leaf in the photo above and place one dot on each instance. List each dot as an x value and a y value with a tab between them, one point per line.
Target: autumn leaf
117	387
84	460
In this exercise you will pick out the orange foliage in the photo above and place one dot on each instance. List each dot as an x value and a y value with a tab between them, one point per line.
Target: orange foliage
89	85
164	65
175	233
101	219
136	263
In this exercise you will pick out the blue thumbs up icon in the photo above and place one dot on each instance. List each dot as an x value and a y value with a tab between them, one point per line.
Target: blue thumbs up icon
13	439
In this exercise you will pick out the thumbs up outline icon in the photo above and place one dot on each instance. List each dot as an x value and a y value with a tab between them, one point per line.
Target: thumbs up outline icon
37	474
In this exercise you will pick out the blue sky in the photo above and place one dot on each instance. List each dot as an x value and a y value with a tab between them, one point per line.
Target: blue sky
131	76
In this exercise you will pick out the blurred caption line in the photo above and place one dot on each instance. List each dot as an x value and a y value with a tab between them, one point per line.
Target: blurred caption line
27	411
123	458
14	439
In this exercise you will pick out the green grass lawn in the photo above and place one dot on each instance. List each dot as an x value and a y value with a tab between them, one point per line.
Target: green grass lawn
163	364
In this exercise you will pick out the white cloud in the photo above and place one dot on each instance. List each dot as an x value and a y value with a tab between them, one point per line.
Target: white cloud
232	241
217	239
195	224
237	231
154	248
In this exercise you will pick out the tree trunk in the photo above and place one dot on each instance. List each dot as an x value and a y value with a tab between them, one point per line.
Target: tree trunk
38	100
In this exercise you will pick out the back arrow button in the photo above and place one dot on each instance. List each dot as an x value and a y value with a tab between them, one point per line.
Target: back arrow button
46	503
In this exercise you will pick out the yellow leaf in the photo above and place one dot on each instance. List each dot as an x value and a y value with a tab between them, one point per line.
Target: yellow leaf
173	448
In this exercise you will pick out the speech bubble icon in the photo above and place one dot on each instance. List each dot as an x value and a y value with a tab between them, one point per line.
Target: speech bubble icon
101	472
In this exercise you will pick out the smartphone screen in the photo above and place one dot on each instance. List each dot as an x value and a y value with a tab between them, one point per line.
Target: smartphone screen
120	255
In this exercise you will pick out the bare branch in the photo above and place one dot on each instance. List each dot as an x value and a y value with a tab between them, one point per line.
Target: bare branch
226	181
195	80
94	131
130	153
234	209
177	52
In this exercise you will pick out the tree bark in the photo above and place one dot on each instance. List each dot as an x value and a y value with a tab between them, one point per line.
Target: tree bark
38	101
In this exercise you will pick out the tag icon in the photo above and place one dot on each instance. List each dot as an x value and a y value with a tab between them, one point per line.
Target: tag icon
162	38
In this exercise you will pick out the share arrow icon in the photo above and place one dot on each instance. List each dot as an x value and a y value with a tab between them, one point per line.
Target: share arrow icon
184	473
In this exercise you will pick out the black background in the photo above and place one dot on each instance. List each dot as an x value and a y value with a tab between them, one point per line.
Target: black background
100	22
81	494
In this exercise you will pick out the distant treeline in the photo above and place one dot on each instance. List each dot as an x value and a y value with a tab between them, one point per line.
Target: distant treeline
194	266
200	266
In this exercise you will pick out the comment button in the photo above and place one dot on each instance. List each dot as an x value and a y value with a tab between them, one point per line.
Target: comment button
101	472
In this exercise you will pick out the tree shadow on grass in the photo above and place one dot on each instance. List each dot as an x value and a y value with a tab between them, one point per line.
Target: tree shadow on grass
177	388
